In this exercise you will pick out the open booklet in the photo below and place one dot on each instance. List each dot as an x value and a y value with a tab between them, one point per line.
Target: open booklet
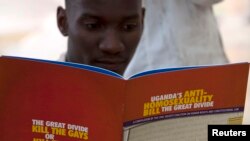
44	100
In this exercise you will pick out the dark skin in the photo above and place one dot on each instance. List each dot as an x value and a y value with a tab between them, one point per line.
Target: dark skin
102	33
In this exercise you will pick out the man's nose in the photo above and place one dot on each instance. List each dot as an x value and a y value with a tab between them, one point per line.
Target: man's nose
111	43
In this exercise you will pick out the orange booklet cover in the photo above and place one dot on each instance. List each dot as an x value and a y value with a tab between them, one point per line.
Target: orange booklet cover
44	100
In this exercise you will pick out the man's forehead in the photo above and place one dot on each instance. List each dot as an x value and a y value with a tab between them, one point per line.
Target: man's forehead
104	3
119	9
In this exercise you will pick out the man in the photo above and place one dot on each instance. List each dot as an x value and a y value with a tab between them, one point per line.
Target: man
102	33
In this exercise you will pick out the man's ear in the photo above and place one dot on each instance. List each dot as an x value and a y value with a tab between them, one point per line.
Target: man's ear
62	21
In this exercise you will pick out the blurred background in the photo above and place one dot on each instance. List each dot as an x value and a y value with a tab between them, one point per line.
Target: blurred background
233	17
28	29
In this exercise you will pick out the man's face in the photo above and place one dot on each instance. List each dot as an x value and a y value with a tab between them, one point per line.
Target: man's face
102	33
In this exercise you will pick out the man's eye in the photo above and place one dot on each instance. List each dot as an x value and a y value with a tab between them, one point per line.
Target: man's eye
92	26
129	27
